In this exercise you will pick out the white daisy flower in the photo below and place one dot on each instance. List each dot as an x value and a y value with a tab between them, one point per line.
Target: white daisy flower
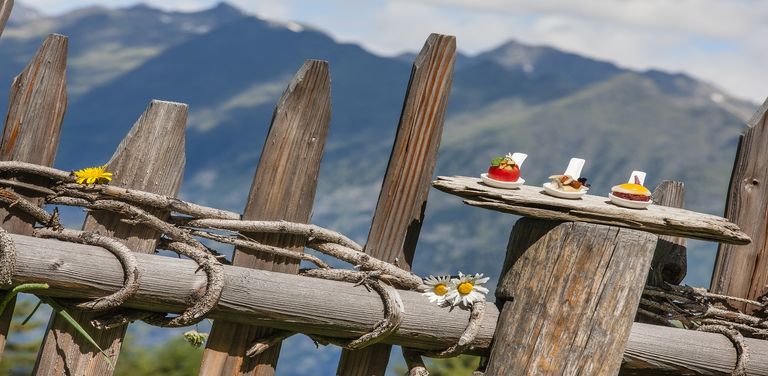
436	288
467	289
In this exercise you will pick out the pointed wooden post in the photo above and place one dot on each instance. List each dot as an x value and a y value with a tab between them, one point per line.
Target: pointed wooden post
36	108
742	270
283	189
5	12
669	264
569	292
403	197
151	158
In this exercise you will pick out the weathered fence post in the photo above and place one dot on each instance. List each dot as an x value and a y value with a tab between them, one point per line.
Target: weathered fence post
569	292
403	197
151	158
5	12
669	260
283	189
742	270
36	106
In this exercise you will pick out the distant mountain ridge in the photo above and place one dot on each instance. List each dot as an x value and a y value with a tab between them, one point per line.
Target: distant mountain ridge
104	43
231	68
22	13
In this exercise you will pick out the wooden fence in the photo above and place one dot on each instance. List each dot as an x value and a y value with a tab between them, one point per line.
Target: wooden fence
570	314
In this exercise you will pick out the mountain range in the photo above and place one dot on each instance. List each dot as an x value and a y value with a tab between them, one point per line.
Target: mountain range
231	68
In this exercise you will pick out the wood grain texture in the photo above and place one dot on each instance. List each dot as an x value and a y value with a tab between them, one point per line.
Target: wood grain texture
403	196
283	189
533	202
327	307
151	157
743	270
36	107
569	293
5	12
657	350
250	296
670	261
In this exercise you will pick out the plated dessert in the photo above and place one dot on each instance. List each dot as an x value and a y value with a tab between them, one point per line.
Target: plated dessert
568	185
504	172
633	194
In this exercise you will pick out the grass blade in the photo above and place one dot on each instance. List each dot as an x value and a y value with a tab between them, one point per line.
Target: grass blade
18	289
65	315
29	316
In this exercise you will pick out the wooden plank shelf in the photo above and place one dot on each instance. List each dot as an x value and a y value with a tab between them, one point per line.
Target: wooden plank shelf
530	201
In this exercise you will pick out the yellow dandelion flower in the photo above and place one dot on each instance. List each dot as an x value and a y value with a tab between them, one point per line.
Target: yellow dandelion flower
93	175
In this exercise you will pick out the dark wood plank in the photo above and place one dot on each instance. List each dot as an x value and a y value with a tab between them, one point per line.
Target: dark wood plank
36	106
151	157
569	292
325	307
670	261
283	189
403	197
743	270
5	12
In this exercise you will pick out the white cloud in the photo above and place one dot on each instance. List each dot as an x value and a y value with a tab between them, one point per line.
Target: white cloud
714	18
719	41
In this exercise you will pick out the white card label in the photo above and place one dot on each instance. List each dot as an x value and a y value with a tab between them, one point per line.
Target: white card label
640	176
574	167
519	158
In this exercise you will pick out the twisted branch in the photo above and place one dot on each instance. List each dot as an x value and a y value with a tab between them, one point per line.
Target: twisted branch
121	252
181	233
696	307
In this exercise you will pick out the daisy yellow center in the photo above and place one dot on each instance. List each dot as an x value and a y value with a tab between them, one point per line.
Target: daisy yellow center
465	288
440	289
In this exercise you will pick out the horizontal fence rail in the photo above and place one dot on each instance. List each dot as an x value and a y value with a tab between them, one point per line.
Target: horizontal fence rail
330	308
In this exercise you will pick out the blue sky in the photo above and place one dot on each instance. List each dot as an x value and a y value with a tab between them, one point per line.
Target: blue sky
719	41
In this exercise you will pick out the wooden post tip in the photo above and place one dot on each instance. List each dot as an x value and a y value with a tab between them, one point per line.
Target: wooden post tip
759	117
159	102
57	36
316	62
442	36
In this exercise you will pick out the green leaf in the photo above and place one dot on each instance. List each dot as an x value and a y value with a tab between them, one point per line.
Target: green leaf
495	162
20	288
677	324
29	316
65	315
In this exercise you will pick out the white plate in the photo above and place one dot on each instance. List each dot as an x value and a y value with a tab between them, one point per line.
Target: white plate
629	203
552	191
502	184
